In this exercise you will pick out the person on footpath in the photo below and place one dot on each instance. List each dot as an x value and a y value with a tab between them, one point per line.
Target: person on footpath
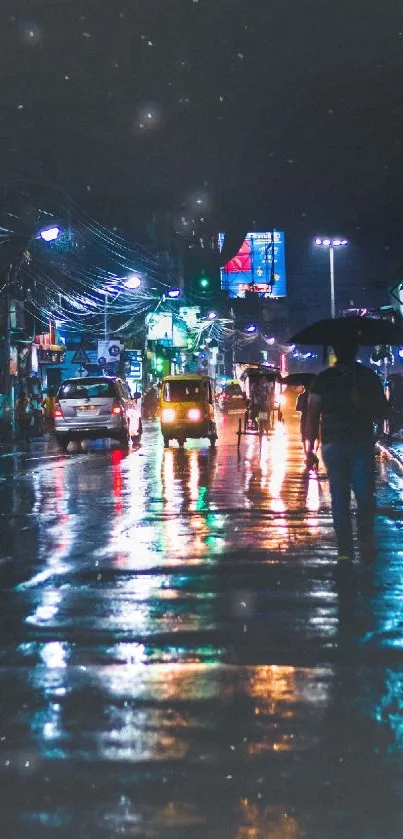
49	403
23	415
301	406
345	401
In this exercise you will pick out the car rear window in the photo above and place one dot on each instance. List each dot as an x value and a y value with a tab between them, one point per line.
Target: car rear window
185	391
233	390
87	389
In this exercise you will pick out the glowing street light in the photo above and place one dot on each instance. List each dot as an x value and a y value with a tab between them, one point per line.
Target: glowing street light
173	293
212	315
132	282
251	328
331	244
49	234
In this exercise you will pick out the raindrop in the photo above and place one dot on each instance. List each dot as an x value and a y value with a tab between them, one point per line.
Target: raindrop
30	34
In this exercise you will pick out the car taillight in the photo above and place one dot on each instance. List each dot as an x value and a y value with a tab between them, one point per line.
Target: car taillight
117	409
57	411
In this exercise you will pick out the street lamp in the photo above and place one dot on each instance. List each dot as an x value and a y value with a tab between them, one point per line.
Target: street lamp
331	244
49	234
130	283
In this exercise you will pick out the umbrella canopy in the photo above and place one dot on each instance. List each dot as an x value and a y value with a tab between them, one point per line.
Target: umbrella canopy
366	331
295	379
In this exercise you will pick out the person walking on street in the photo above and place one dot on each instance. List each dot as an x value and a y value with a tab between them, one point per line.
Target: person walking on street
37	413
49	403
24	416
302	408
345	401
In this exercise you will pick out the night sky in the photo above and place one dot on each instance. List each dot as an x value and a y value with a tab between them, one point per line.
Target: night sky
286	113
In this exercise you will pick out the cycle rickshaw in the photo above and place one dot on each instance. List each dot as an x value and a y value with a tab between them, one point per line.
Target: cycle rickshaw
259	419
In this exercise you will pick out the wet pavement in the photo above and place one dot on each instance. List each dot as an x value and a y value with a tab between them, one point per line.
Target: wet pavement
179	656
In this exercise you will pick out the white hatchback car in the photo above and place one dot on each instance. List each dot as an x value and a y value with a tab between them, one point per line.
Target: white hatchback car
93	408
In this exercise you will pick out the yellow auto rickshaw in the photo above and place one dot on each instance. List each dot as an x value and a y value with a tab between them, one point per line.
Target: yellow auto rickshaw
187	408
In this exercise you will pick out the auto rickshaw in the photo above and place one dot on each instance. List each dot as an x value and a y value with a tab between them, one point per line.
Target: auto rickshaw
187	408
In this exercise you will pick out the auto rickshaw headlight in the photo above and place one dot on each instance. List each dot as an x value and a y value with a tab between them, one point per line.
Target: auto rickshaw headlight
168	415
194	414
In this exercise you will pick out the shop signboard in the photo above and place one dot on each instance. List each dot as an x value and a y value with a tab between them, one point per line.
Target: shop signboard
109	352
134	365
13	361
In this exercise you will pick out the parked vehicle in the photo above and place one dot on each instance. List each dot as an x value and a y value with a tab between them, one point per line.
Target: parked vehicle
92	408
187	409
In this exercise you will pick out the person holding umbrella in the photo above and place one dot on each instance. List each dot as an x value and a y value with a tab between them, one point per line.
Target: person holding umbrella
312	461
344	402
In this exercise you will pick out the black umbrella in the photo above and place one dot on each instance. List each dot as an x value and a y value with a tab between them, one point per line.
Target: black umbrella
366	331
295	379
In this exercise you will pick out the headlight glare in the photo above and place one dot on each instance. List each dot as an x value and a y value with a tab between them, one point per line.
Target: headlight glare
168	415
194	414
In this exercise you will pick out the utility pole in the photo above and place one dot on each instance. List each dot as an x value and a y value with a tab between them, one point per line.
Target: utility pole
332	287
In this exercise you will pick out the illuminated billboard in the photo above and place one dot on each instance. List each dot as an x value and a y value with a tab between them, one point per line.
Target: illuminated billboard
259	266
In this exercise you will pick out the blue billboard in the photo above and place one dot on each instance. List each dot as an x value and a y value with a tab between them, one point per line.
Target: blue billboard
259	266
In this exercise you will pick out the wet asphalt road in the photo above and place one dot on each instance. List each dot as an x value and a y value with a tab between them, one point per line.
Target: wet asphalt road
179	657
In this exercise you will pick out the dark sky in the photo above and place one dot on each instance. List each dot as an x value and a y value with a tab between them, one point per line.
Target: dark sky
286	112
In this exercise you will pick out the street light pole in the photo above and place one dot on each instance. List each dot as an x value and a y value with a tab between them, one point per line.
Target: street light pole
332	291
130	283
331	244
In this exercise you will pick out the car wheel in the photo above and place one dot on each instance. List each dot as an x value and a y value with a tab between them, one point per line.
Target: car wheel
62	441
